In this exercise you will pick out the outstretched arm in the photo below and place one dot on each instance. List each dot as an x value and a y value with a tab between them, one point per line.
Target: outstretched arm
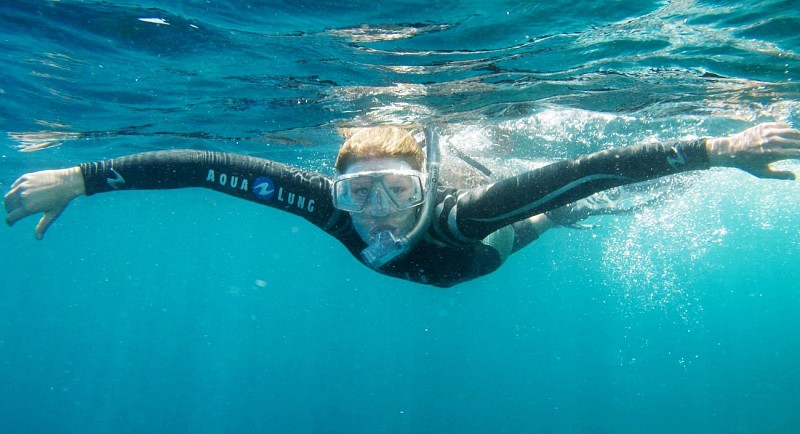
475	213
273	184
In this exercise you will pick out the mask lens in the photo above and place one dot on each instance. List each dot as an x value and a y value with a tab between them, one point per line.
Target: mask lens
403	189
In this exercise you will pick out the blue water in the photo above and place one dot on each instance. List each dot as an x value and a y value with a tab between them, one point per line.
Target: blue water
190	311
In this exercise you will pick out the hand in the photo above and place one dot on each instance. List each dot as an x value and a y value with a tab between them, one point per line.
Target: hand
48	192
754	149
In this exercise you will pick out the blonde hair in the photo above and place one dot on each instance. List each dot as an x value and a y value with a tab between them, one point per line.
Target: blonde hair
378	142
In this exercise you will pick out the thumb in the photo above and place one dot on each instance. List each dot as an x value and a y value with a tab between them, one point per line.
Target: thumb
767	173
48	219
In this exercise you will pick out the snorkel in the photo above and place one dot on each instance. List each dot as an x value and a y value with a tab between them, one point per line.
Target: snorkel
386	247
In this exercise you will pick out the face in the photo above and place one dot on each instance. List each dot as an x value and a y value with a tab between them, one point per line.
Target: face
379	213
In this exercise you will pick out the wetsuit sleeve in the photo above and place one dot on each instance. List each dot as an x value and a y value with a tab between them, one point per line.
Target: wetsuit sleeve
475	213
277	185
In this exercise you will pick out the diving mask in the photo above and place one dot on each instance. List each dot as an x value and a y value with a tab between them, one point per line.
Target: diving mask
401	189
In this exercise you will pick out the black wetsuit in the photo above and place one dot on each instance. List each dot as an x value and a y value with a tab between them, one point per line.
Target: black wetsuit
452	251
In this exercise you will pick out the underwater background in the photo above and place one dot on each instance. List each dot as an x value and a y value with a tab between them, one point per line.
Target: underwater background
191	311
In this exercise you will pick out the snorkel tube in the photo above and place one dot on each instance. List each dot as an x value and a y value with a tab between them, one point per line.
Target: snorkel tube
386	247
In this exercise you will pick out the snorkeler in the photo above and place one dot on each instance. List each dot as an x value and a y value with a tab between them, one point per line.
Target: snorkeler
385	203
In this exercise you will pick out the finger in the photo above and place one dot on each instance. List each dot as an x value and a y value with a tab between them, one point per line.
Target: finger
772	129
784	141
782	153
16	183
11	195
768	173
781	174
45	222
11	204
785	134
15	215
776	124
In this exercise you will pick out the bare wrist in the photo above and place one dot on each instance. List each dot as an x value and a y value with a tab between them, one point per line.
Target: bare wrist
718	150
73	179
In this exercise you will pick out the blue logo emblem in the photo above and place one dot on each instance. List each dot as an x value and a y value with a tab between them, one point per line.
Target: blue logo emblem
117	181
678	160
264	188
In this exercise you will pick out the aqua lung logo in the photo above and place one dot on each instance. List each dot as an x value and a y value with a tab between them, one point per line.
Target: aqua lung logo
264	188
117	181
227	181
294	199
678	160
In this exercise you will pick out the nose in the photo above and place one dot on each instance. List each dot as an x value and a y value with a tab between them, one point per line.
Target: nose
377	204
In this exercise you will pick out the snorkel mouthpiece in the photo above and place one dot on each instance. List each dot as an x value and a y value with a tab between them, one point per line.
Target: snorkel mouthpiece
386	247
